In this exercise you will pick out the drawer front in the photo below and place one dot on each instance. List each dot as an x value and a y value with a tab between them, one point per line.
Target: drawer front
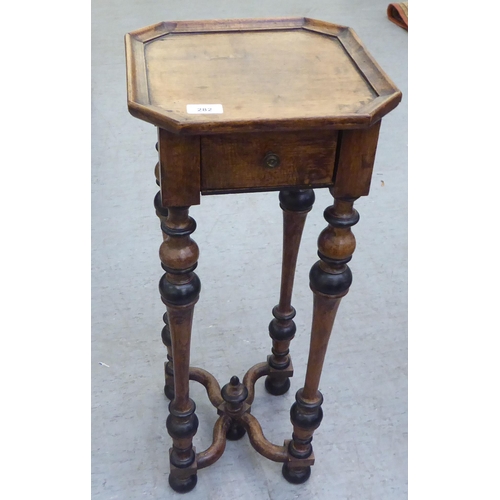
270	160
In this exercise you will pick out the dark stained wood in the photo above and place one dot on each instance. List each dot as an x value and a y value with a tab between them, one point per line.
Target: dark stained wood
356	156
180	320
161	212
179	169
251	376
302	102
325	310
179	289
157	169
168	388
209	382
330	279
260	443
168	367
239	161
216	449
295	204
234	394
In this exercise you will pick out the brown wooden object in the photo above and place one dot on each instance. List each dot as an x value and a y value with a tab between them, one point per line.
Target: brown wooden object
162	214
295	205
247	105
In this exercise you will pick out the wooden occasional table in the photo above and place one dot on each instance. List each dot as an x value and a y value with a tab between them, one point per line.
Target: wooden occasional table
285	105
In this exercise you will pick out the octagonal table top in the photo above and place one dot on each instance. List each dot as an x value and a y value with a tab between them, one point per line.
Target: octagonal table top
221	76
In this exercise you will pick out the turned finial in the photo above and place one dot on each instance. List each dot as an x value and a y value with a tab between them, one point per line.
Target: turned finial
234	393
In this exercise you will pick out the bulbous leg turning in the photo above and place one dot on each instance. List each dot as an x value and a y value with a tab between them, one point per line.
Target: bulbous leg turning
162	214
179	289
330	279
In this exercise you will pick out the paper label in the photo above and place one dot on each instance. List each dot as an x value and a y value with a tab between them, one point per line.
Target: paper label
204	109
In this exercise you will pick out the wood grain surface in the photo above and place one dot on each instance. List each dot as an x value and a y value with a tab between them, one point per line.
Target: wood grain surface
238	161
287	74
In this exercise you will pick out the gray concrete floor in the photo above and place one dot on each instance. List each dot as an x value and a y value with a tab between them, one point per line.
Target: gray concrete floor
361	446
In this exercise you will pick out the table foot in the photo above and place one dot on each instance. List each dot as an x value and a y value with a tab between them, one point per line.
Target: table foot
182	484
296	475
277	386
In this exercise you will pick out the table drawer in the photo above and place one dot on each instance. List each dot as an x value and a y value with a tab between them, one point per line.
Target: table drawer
270	160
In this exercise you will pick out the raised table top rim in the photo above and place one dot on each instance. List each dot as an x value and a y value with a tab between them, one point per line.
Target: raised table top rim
388	95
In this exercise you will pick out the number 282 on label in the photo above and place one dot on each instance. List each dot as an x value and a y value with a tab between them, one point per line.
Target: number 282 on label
198	109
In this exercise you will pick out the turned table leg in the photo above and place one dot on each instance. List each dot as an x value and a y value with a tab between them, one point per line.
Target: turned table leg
330	279
179	289
162	214
295	205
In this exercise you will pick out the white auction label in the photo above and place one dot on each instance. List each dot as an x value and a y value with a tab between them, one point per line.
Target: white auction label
202	109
